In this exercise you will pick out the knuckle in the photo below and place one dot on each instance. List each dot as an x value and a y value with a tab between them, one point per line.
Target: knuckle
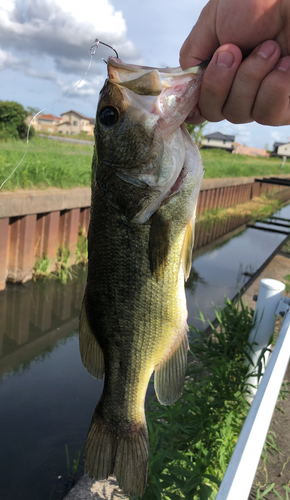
235	114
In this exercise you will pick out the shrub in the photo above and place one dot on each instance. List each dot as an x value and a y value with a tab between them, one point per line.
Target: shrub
12	124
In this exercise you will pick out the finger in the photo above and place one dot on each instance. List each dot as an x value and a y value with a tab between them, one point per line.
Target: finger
202	40
217	81
195	117
251	73
272	102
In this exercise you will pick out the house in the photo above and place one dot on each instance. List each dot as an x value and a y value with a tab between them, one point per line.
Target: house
74	123
47	123
240	149
276	145
218	140
283	149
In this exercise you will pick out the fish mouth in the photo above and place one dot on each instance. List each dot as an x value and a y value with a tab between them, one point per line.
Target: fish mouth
145	80
163	97
125	69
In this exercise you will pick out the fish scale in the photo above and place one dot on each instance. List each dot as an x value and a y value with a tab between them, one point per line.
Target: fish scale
146	176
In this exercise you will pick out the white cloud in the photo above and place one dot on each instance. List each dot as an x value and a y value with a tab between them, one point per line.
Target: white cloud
62	29
83	89
7	60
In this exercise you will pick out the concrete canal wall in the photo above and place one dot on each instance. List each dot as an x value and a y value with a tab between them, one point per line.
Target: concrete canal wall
36	223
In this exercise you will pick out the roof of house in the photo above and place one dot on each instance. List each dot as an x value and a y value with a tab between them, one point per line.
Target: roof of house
92	121
76	113
49	117
219	136
277	144
63	123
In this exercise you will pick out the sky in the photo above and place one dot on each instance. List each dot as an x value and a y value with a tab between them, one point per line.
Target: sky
45	51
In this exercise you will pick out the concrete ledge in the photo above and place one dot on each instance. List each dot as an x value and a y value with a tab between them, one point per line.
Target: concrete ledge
18	203
37	201
234	181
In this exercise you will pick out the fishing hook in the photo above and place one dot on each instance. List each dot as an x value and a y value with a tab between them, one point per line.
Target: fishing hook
96	44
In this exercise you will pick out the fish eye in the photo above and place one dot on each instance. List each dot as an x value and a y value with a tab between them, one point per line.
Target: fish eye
108	116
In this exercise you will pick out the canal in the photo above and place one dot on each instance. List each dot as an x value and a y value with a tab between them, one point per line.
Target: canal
47	397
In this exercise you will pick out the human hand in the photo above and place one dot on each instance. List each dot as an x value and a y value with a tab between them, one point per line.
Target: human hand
255	89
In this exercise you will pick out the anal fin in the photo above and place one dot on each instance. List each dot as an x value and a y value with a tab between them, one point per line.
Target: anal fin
170	373
91	353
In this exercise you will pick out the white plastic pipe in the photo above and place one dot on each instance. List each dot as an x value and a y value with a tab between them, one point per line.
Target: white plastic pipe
270	293
241	470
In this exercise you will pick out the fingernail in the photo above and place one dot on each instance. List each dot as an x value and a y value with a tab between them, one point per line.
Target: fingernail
266	49
284	64
225	59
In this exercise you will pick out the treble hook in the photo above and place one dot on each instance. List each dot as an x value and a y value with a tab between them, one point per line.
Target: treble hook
96	44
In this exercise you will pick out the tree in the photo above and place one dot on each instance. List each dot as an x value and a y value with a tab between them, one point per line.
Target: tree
196	132
12	116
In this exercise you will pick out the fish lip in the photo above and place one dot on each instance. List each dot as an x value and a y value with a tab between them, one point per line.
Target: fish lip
177	71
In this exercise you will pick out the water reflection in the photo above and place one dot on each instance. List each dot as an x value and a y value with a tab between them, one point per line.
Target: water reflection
50	403
35	316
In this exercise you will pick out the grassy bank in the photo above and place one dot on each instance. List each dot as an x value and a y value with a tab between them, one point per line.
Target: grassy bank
220	163
191	442
47	164
255	209
61	164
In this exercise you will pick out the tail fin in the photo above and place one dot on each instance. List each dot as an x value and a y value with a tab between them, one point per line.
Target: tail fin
123	454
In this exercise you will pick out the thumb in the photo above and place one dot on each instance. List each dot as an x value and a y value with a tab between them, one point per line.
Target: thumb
202	41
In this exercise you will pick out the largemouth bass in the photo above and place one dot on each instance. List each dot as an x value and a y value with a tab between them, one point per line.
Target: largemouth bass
146	177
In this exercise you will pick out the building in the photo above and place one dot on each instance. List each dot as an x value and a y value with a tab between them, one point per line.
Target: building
74	123
283	150
218	140
276	145
47	123
70	122
240	149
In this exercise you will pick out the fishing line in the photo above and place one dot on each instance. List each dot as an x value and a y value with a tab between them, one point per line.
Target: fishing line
92	53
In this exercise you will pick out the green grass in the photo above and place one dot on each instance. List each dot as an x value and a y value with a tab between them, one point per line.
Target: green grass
191	442
287	283
60	164
47	164
220	163
257	208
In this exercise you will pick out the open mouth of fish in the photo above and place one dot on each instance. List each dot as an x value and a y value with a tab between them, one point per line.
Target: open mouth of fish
163	97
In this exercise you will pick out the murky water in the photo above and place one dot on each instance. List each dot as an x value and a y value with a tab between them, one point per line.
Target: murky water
47	397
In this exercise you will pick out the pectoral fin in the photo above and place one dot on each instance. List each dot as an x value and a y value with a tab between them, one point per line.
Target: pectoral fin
170	374
91	353
158	244
187	248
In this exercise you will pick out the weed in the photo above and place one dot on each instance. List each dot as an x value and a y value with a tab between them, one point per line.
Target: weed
72	469
41	268
287	283
191	442
255	209
63	269
286	246
82	247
